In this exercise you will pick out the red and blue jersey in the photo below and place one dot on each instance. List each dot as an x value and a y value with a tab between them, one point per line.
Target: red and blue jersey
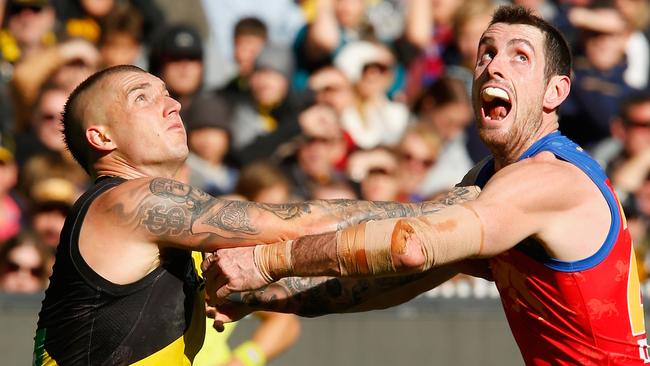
585	312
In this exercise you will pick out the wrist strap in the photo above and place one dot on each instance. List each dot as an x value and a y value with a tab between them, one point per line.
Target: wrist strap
274	260
250	354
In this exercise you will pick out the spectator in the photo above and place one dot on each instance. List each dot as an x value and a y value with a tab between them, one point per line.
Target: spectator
418	152
263	182
250	38
337	23
65	64
630	161
25	265
83	18
45	138
371	119
121	38
376	172
11	212
598	82
30	28
45	135
637	50
281	17
268	117
331	87
52	199
321	151
432	50
177	58
446	107
337	189
208	137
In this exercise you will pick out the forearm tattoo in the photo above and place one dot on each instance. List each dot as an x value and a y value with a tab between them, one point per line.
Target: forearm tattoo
353	212
315	296
170	209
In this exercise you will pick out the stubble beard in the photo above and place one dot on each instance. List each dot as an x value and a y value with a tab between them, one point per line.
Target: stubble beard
510	145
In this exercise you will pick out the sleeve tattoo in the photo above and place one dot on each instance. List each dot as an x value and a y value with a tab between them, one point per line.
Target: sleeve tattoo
172	210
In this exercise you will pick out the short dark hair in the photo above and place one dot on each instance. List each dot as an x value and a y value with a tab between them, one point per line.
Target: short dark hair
73	128
556	48
250	26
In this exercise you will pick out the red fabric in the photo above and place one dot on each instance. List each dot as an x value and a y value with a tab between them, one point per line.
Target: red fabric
574	318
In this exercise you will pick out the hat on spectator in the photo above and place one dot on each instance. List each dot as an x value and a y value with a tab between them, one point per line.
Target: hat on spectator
5	155
208	111
362	163
356	55
174	42
53	193
276	58
34	3
181	41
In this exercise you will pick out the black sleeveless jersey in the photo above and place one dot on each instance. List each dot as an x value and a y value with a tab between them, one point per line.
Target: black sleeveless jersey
87	320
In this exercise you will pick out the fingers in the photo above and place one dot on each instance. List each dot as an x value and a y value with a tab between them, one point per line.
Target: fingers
223	292
218	325
208	262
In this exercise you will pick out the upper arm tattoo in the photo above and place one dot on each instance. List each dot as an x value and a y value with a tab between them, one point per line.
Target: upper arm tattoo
168	208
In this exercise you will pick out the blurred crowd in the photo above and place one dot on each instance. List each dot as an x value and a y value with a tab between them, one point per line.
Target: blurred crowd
287	100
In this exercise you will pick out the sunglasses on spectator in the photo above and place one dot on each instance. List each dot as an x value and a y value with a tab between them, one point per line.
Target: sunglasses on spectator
314	139
49	117
635	124
17	9
13	267
329	89
379	171
425	162
376	66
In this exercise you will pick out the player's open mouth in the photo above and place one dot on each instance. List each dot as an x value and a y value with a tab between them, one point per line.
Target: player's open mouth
495	103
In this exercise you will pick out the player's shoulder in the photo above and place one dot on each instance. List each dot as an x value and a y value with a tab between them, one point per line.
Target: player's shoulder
544	174
136	190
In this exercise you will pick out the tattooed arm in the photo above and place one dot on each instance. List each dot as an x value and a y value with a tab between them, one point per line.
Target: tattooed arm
171	213
316	296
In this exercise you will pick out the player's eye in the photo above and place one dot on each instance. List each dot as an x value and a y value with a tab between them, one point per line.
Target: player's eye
521	57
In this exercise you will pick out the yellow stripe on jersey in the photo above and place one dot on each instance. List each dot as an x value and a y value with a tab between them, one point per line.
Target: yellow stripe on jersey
634	304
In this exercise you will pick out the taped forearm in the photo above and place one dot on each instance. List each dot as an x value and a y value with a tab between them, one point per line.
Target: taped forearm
410	244
378	247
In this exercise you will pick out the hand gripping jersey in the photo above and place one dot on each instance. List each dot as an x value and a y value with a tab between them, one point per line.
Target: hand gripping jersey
587	312
87	320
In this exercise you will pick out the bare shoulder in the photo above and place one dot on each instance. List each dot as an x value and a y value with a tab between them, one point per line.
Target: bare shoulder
544	177
548	198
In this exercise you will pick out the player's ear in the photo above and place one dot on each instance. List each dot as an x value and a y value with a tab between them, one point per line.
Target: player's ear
99	138
557	91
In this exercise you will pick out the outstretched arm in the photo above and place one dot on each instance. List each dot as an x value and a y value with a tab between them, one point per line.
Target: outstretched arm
316	296
538	198
171	213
